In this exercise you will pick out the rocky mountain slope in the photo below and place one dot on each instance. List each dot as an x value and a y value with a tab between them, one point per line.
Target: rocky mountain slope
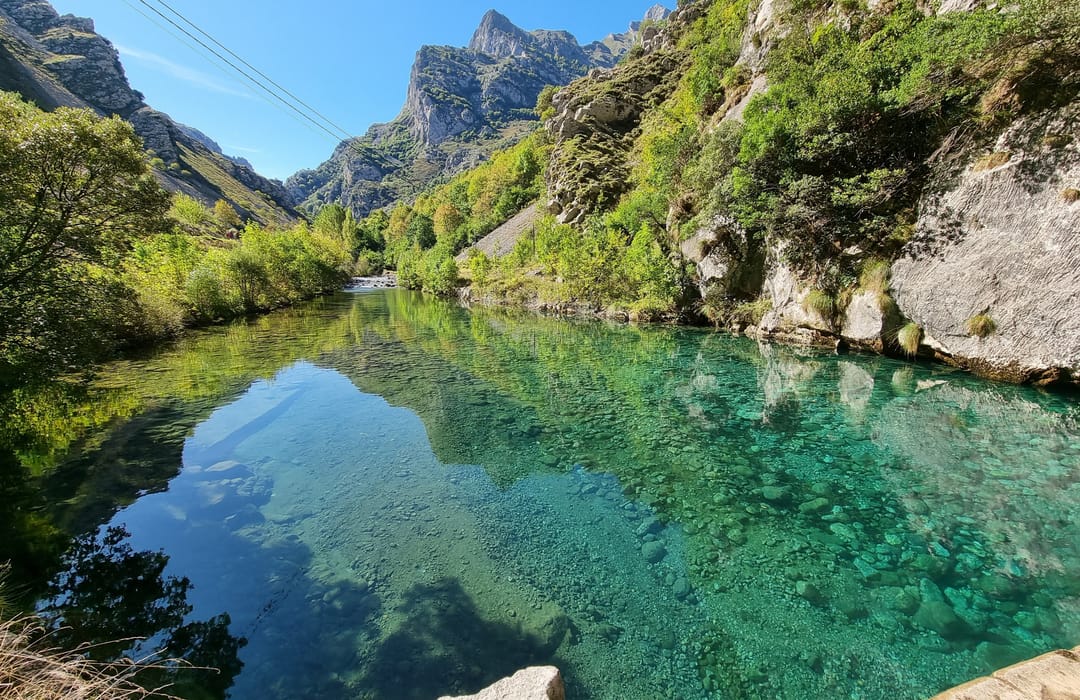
462	104
927	203
55	60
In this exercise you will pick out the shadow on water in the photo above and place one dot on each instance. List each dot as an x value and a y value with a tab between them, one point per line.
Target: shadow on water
444	647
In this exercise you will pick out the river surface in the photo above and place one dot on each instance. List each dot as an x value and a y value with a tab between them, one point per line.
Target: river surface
382	495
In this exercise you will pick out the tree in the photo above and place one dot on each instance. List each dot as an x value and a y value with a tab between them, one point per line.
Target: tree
226	216
75	190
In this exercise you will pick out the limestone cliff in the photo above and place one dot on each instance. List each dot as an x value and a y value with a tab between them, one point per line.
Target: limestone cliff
462	104
55	61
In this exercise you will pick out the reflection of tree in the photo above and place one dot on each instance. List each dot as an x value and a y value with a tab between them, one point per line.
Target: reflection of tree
110	594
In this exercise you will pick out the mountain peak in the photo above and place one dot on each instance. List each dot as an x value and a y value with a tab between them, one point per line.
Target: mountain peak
498	36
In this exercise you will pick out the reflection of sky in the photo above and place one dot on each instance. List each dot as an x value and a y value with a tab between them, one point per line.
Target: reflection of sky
306	509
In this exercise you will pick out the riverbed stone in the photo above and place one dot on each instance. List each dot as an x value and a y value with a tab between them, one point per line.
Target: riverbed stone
653	551
814	506
807	590
938	617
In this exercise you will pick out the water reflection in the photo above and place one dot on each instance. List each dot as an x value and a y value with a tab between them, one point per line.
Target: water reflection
694	511
111	599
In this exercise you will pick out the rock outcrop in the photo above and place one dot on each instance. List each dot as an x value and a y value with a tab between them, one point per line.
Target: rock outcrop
1004	243
462	104
598	118
533	683
988	283
56	61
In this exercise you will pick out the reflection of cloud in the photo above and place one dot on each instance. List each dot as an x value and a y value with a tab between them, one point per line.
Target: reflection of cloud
180	72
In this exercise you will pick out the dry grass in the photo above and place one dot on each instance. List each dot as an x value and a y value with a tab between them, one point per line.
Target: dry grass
991	161
31	669
1070	194
1057	140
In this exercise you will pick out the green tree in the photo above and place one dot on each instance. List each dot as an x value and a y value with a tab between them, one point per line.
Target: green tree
226	216
75	191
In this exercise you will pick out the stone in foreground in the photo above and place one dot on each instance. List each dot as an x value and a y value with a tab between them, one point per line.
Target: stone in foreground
1053	676
533	683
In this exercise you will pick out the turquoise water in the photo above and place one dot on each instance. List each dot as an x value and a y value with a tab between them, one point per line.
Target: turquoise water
394	497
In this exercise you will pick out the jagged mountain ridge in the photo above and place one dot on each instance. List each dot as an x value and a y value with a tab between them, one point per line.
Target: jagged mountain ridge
55	61
462	104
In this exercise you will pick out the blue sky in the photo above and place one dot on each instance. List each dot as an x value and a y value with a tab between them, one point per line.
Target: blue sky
349	60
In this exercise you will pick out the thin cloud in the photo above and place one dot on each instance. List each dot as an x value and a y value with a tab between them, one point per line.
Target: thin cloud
188	75
242	149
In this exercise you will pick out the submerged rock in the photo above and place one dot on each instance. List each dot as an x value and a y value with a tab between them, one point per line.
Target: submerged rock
653	551
939	617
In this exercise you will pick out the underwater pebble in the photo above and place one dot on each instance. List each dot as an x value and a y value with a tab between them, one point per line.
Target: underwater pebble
807	590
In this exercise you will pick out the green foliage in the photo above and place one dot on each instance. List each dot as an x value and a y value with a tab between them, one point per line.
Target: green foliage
225	216
544	107
75	192
714	40
909	338
823	304
190	212
981	326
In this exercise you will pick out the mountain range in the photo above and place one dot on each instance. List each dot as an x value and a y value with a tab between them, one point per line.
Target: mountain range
462	104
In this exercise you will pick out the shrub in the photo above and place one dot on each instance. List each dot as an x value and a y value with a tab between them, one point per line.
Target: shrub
751	312
910	338
981	326
821	303
1070	194
369	263
480	267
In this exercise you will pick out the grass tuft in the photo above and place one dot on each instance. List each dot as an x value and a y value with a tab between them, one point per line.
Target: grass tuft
1070	194
821	303
981	326
909	338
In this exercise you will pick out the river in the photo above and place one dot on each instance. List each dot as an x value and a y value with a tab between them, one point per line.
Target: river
383	495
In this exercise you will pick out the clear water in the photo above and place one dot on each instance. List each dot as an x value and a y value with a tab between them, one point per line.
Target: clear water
394	497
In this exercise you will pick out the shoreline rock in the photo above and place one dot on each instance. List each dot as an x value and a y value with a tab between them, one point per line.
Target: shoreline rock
532	683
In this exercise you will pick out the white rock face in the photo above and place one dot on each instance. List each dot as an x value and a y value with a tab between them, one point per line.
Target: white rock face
533	683
1004	241
787	293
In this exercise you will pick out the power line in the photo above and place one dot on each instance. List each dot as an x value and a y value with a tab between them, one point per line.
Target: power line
241	71
217	65
270	80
